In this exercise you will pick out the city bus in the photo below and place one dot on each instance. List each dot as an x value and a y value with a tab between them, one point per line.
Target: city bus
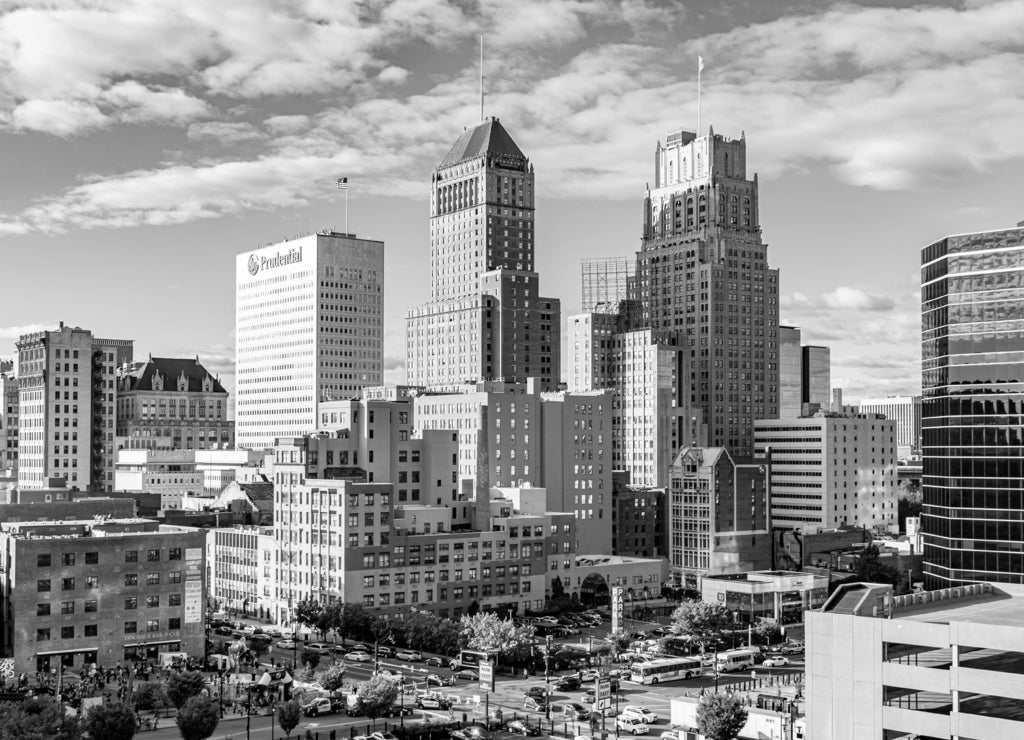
736	660
664	669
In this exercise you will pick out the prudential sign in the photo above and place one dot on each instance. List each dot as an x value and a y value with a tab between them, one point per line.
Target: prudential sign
266	262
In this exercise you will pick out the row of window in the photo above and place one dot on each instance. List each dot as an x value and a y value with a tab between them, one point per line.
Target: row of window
45	559
43	634
130	579
90	605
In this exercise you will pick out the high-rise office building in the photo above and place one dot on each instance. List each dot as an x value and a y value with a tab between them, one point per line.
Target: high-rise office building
486	319
8	419
905	411
67	393
790	372
703	270
816	377
309	327
972	345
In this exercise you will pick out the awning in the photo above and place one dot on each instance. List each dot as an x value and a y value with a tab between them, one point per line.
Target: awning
65	652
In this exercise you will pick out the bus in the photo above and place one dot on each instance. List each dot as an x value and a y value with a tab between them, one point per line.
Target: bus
736	660
664	669
473	658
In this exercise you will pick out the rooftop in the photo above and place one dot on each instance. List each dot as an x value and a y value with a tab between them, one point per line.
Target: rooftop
980	603
488	138
592	560
140	375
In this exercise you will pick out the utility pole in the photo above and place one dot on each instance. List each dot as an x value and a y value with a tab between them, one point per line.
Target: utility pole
547	677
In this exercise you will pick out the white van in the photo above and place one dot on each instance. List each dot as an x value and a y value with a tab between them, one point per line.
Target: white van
736	660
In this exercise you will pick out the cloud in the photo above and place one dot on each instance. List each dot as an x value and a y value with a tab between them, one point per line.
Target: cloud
58	117
225	132
841	297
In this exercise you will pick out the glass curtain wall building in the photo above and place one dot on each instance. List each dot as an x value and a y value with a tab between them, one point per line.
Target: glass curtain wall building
972	304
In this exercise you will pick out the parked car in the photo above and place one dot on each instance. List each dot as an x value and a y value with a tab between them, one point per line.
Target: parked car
775	662
589	674
435	680
535	703
437	661
567	683
361	647
320	648
383	736
432	701
467	673
409	656
792	649
384	651
224	629
397	710
570	631
574	712
631	724
320	705
536	691
638	710
518	727
287	644
470	732
358	657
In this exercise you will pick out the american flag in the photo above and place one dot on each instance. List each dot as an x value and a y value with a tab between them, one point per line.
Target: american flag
343	183
700	66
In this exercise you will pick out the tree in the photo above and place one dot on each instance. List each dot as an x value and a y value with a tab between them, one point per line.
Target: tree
150	695
113	721
332	678
473	608
183	686
197	718
288	715
419	630
308	613
557	589
37	719
376	696
487	633
353	621
258	647
702	622
720	716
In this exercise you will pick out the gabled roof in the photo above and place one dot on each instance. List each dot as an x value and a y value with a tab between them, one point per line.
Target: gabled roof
260	494
141	374
489	138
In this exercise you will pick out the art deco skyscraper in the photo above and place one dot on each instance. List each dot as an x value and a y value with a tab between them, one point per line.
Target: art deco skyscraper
485	318
703	270
972	378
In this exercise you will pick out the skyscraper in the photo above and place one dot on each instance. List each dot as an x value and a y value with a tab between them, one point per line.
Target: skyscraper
972	377
816	377
703	270
485	319
790	372
309	327
905	410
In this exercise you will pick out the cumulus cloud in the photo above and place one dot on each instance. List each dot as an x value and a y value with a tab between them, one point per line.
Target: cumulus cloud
225	132
842	297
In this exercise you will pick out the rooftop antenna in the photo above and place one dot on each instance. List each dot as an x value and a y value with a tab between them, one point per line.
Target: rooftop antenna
343	185
700	68
482	78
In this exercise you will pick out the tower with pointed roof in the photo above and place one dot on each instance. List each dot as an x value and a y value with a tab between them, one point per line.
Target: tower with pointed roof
486	319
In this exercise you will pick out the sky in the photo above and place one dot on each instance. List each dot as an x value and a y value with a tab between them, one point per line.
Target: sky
144	144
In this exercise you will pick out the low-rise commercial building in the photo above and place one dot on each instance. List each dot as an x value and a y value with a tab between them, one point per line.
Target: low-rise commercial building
935	664
776	596
168	472
639	521
241	569
102	591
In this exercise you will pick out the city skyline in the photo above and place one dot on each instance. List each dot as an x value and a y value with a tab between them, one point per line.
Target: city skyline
226	141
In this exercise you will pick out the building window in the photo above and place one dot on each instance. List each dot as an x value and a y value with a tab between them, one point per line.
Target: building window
131	556
42	635
67	633
152	579
67	558
132	602
42	610
174	553
174	600
43	584
90	605
173	577
92	581
43	561
131	579
92	558
153	556
152	601
90	630
130	628
152	625
67	584
174	623
67	607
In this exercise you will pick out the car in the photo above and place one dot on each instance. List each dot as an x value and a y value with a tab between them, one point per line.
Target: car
397	710
358	656
360	647
573	711
250	629
570	631
320	705
287	644
432	701
669	735
409	656
567	683
272	631
657	632
383	651
589	675
708	659
631	724
383	736
470	732
387	673
536	691
775	662
320	648
638	710
535	703
467	673
224	629
436	661
518	727
791	649
435	680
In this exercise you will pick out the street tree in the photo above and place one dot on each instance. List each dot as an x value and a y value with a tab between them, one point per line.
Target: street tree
310	659
446	637
197	718
489	633
308	613
111	721
332	678
354	621
701	622
420	628
376	696
720	716
257	647
37	719
288	715
183	685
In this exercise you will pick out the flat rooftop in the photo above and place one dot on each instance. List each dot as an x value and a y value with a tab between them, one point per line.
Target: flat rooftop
1003	606
611	560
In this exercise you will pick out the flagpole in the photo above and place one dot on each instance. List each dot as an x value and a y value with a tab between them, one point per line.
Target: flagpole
481	78
343	185
700	66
